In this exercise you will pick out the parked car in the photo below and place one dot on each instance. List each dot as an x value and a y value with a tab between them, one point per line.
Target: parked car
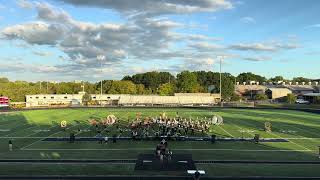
302	101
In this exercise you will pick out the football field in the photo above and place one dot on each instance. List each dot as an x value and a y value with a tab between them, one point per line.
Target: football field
32	132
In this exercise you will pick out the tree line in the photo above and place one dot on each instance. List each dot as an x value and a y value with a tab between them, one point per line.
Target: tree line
161	83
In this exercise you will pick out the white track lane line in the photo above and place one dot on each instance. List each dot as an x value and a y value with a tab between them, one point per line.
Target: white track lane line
141	149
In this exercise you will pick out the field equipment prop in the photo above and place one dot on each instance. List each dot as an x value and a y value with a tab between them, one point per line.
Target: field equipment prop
111	119
267	126
217	120
63	124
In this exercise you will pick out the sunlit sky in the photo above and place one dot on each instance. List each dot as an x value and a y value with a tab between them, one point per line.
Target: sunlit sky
60	40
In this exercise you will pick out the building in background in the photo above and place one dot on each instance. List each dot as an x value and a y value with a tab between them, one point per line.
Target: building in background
277	93
300	90
250	91
275	90
312	97
68	100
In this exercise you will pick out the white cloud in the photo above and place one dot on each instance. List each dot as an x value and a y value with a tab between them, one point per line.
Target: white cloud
42	53
35	33
257	58
22	67
267	47
25	4
313	26
205	46
140	38
252	47
144	39
248	20
155	7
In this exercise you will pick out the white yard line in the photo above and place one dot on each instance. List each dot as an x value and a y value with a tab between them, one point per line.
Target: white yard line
241	129
18	130
43	138
86	130
305	130
140	149
225	131
40	131
292	142
15	127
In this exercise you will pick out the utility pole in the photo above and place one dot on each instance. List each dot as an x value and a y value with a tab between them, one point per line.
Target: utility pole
220	57
47	86
82	85
101	58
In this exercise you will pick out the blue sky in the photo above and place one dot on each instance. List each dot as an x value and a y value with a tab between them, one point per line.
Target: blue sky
60	40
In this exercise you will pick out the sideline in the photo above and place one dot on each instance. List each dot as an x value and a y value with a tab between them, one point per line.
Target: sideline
141	149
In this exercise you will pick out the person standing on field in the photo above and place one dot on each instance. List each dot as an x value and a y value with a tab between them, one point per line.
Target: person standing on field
10	145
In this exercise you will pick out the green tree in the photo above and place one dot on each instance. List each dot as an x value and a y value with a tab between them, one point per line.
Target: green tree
122	87
127	78
4	80
235	97
291	98
63	88
206	79
248	76
86	98
166	89
106	86
261	97
187	82
151	80
227	86
300	79
140	89
277	78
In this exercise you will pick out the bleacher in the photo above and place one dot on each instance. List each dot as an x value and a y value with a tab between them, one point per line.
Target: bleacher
180	100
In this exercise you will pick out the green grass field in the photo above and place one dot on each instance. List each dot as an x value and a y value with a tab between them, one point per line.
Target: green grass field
27	129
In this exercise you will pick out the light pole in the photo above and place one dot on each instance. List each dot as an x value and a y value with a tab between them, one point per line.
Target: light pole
82	86
101	58
220	59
